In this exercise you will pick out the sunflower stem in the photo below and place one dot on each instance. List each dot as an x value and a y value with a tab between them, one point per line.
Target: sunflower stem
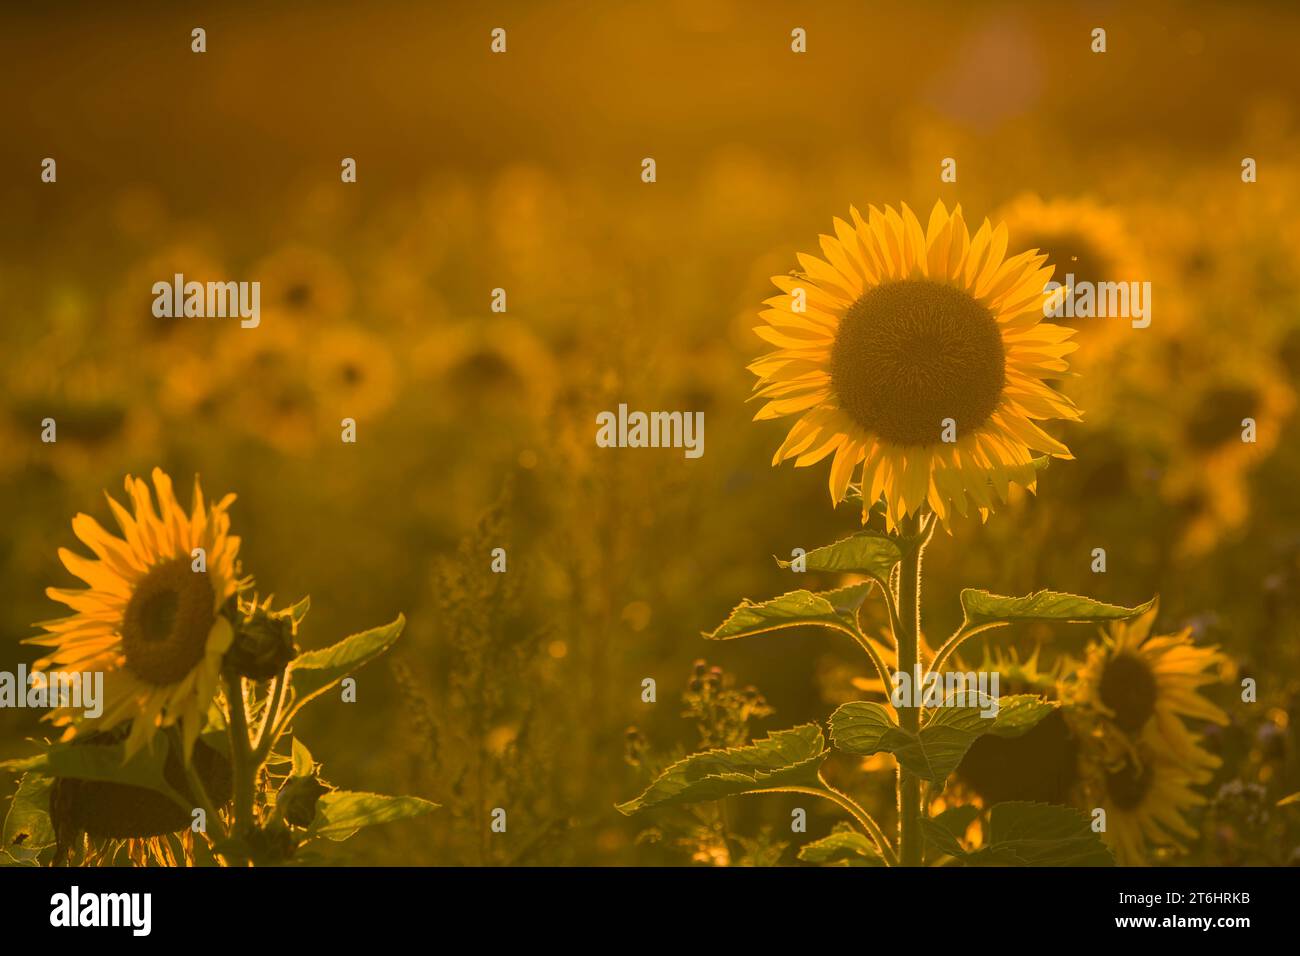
914	532
241	754
197	790
269	731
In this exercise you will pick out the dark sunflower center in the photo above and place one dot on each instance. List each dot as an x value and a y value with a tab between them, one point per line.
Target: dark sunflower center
484	368
1128	786
1040	765
298	295
1217	416
1129	689
912	353
167	621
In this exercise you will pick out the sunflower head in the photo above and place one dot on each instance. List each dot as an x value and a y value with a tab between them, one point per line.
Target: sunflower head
918	354
1149	686
151	617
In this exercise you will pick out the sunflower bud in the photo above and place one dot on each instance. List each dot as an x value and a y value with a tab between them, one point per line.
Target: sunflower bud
296	800
264	643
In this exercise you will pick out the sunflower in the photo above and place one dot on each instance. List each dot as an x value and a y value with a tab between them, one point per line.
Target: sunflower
1147	685
304	285
494	367
1209	463
1145	795
352	371
901	335
1086	240
95	821
148	621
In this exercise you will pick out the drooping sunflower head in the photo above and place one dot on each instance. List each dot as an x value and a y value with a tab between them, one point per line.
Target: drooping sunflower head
150	620
920	355
1147	798
1148	686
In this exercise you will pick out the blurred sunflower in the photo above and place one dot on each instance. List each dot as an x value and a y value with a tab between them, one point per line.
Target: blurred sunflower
1146	798
352	371
898	330
1209	460
1084	239
95	420
131	305
148	621
498	364
265	389
1147	685
299	282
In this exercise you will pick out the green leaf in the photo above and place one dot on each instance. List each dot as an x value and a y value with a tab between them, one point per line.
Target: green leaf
303	764
865	728
982	607
863	553
834	609
313	673
844	847
784	758
341	813
1039	834
104	763
945	831
27	824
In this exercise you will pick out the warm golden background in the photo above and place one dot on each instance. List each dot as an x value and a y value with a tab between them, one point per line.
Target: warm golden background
522	171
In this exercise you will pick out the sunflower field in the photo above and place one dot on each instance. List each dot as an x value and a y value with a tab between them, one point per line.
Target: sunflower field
693	433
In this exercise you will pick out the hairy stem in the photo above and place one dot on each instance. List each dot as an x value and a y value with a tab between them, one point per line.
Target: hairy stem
198	791
241	754
908	637
269	730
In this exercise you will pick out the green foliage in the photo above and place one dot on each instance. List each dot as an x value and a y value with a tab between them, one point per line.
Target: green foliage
783	759
27	826
843	847
944	832
982	608
105	763
866	552
1038	834
343	812
313	673
834	609
865	728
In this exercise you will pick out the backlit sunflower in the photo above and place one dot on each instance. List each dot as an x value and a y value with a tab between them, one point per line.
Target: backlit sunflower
149	622
1147	685
902	338
1146	797
95	822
